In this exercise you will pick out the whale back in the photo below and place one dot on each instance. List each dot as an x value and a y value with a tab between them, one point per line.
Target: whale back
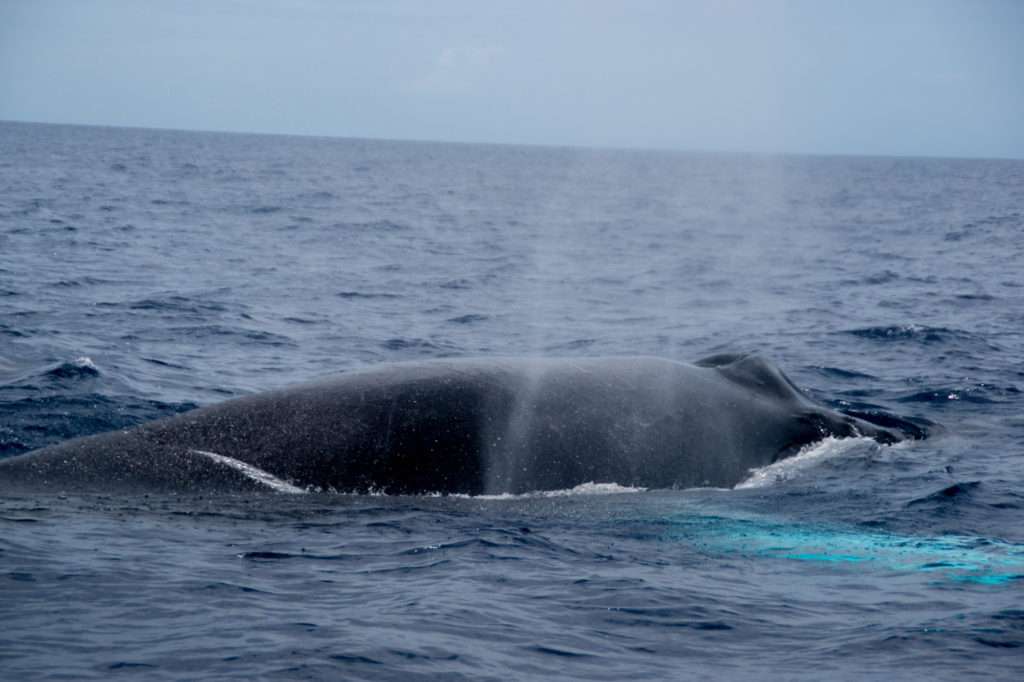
506	425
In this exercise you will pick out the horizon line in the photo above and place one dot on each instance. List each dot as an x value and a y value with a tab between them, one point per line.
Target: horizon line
539	145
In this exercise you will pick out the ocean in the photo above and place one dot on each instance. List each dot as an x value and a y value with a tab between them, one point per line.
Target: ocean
147	272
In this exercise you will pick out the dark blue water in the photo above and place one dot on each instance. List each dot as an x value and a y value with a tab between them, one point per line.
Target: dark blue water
147	272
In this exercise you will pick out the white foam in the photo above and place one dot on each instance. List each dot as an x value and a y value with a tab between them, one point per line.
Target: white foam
256	474
583	489
808	457
84	362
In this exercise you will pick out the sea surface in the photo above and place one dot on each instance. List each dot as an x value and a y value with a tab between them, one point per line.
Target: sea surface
144	272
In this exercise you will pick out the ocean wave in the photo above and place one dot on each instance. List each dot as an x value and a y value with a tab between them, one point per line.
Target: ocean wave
573	345
265	210
950	494
81	281
164	363
173	303
883	277
909	332
366	294
37	421
983	394
418	345
840	373
468	319
79	368
215	331
371	226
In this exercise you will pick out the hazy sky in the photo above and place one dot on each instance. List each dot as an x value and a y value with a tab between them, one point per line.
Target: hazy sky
900	77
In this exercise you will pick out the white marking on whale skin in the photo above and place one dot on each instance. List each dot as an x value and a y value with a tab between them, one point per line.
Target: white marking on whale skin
254	473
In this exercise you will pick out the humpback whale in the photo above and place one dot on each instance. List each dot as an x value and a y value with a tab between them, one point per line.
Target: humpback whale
474	426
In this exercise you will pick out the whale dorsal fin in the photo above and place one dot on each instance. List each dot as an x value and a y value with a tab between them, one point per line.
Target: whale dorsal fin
752	371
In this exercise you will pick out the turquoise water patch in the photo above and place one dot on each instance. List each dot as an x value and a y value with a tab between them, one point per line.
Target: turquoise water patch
959	558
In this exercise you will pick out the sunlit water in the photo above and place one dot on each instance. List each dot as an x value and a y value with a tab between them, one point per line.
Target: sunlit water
146	272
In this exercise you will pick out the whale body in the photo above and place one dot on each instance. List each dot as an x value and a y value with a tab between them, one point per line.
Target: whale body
473	426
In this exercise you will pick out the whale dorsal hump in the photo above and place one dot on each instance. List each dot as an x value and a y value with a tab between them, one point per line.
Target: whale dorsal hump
753	372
